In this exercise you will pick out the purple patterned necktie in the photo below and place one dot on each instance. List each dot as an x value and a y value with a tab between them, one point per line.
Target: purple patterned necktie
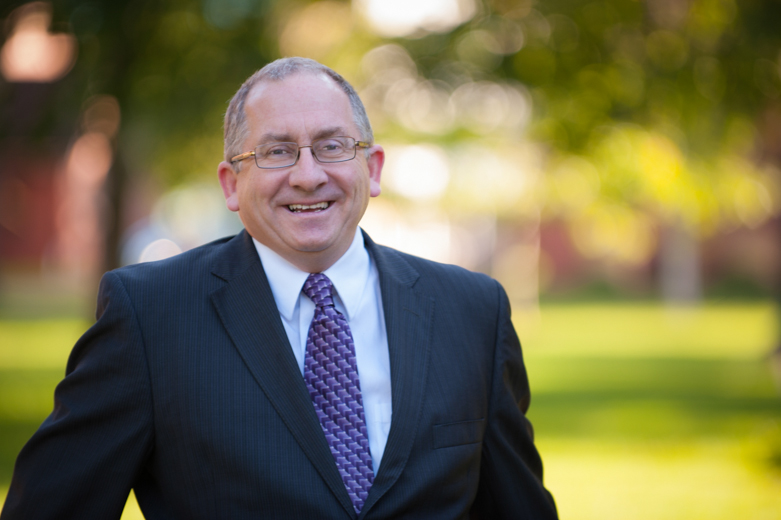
331	376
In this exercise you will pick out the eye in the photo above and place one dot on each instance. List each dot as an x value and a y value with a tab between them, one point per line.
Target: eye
277	150
331	146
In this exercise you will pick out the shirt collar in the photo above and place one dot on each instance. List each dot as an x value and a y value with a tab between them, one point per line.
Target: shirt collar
349	276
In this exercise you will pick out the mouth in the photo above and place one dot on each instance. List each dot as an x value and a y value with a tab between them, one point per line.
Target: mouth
310	208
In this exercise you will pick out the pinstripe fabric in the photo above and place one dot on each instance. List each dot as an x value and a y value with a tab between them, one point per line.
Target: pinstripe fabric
186	389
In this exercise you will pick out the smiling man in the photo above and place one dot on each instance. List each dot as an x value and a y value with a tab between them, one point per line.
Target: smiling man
296	370
297	202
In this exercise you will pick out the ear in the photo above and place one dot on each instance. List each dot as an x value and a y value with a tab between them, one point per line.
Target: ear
229	180
375	162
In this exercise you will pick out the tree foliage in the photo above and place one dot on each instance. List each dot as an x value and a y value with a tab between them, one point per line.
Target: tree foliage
630	108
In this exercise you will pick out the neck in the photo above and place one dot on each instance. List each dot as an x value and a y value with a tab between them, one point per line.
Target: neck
310	261
313	262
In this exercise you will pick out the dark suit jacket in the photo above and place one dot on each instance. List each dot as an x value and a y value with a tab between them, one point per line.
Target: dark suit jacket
186	389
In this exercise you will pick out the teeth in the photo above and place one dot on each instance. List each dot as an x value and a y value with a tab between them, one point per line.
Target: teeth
302	207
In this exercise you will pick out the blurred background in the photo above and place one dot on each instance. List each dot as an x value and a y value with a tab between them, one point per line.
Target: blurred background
616	164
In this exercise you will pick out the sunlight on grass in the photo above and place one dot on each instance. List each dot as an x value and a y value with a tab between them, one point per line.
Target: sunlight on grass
648	329
38	344
642	412
132	511
642	481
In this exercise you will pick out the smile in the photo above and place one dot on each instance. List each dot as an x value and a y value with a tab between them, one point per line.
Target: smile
298	208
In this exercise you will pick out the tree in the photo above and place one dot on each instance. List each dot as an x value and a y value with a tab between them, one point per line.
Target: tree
648	114
613	115
171	66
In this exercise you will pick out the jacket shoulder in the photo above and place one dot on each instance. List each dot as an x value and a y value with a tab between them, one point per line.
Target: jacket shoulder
196	260
437	276
180	278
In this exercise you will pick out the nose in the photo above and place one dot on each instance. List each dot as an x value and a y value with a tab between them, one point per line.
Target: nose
307	174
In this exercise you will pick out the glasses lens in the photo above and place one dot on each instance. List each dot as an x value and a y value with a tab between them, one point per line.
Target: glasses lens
276	155
282	155
334	149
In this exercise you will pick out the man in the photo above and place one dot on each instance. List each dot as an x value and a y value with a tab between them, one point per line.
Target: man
296	370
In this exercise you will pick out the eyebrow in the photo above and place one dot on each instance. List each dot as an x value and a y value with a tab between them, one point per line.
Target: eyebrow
330	131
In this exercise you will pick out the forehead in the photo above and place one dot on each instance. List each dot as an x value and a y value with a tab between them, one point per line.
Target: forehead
300	105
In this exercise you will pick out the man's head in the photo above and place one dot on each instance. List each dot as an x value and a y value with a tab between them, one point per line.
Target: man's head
235	126
307	212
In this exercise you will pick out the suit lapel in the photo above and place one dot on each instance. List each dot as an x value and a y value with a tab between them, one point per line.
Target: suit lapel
247	309
408	318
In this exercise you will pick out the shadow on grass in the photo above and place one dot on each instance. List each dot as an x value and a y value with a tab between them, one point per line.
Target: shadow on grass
13	436
26	399
577	397
651	398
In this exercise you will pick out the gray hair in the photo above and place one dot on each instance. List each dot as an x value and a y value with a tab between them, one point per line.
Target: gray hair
236	130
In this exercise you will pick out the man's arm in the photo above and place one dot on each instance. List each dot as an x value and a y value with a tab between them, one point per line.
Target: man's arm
511	469
82	461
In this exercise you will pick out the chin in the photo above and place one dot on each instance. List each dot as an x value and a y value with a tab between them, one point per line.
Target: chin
313	240
311	246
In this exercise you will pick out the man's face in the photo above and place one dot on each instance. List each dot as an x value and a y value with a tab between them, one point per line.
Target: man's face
302	108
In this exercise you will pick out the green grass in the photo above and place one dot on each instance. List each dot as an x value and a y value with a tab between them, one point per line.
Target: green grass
608	398
641	412
32	361
650	330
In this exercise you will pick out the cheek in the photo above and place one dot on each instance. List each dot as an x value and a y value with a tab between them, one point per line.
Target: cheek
254	194
358	184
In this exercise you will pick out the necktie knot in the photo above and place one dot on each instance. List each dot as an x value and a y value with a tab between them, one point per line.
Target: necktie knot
318	288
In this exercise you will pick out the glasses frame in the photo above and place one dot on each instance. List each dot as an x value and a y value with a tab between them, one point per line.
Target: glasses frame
247	155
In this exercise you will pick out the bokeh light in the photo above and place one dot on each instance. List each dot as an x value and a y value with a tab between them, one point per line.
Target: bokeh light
33	54
315	30
159	249
407	17
419	172
182	218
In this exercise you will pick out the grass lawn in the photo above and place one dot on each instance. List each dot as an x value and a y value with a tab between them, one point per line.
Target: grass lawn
641	412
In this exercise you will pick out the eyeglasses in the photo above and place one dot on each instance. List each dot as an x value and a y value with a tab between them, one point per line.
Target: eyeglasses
283	155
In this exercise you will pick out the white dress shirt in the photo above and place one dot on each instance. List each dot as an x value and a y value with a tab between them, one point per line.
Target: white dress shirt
357	284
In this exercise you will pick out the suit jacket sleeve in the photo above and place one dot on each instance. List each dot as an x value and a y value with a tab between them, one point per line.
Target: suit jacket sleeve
511	469
82	461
